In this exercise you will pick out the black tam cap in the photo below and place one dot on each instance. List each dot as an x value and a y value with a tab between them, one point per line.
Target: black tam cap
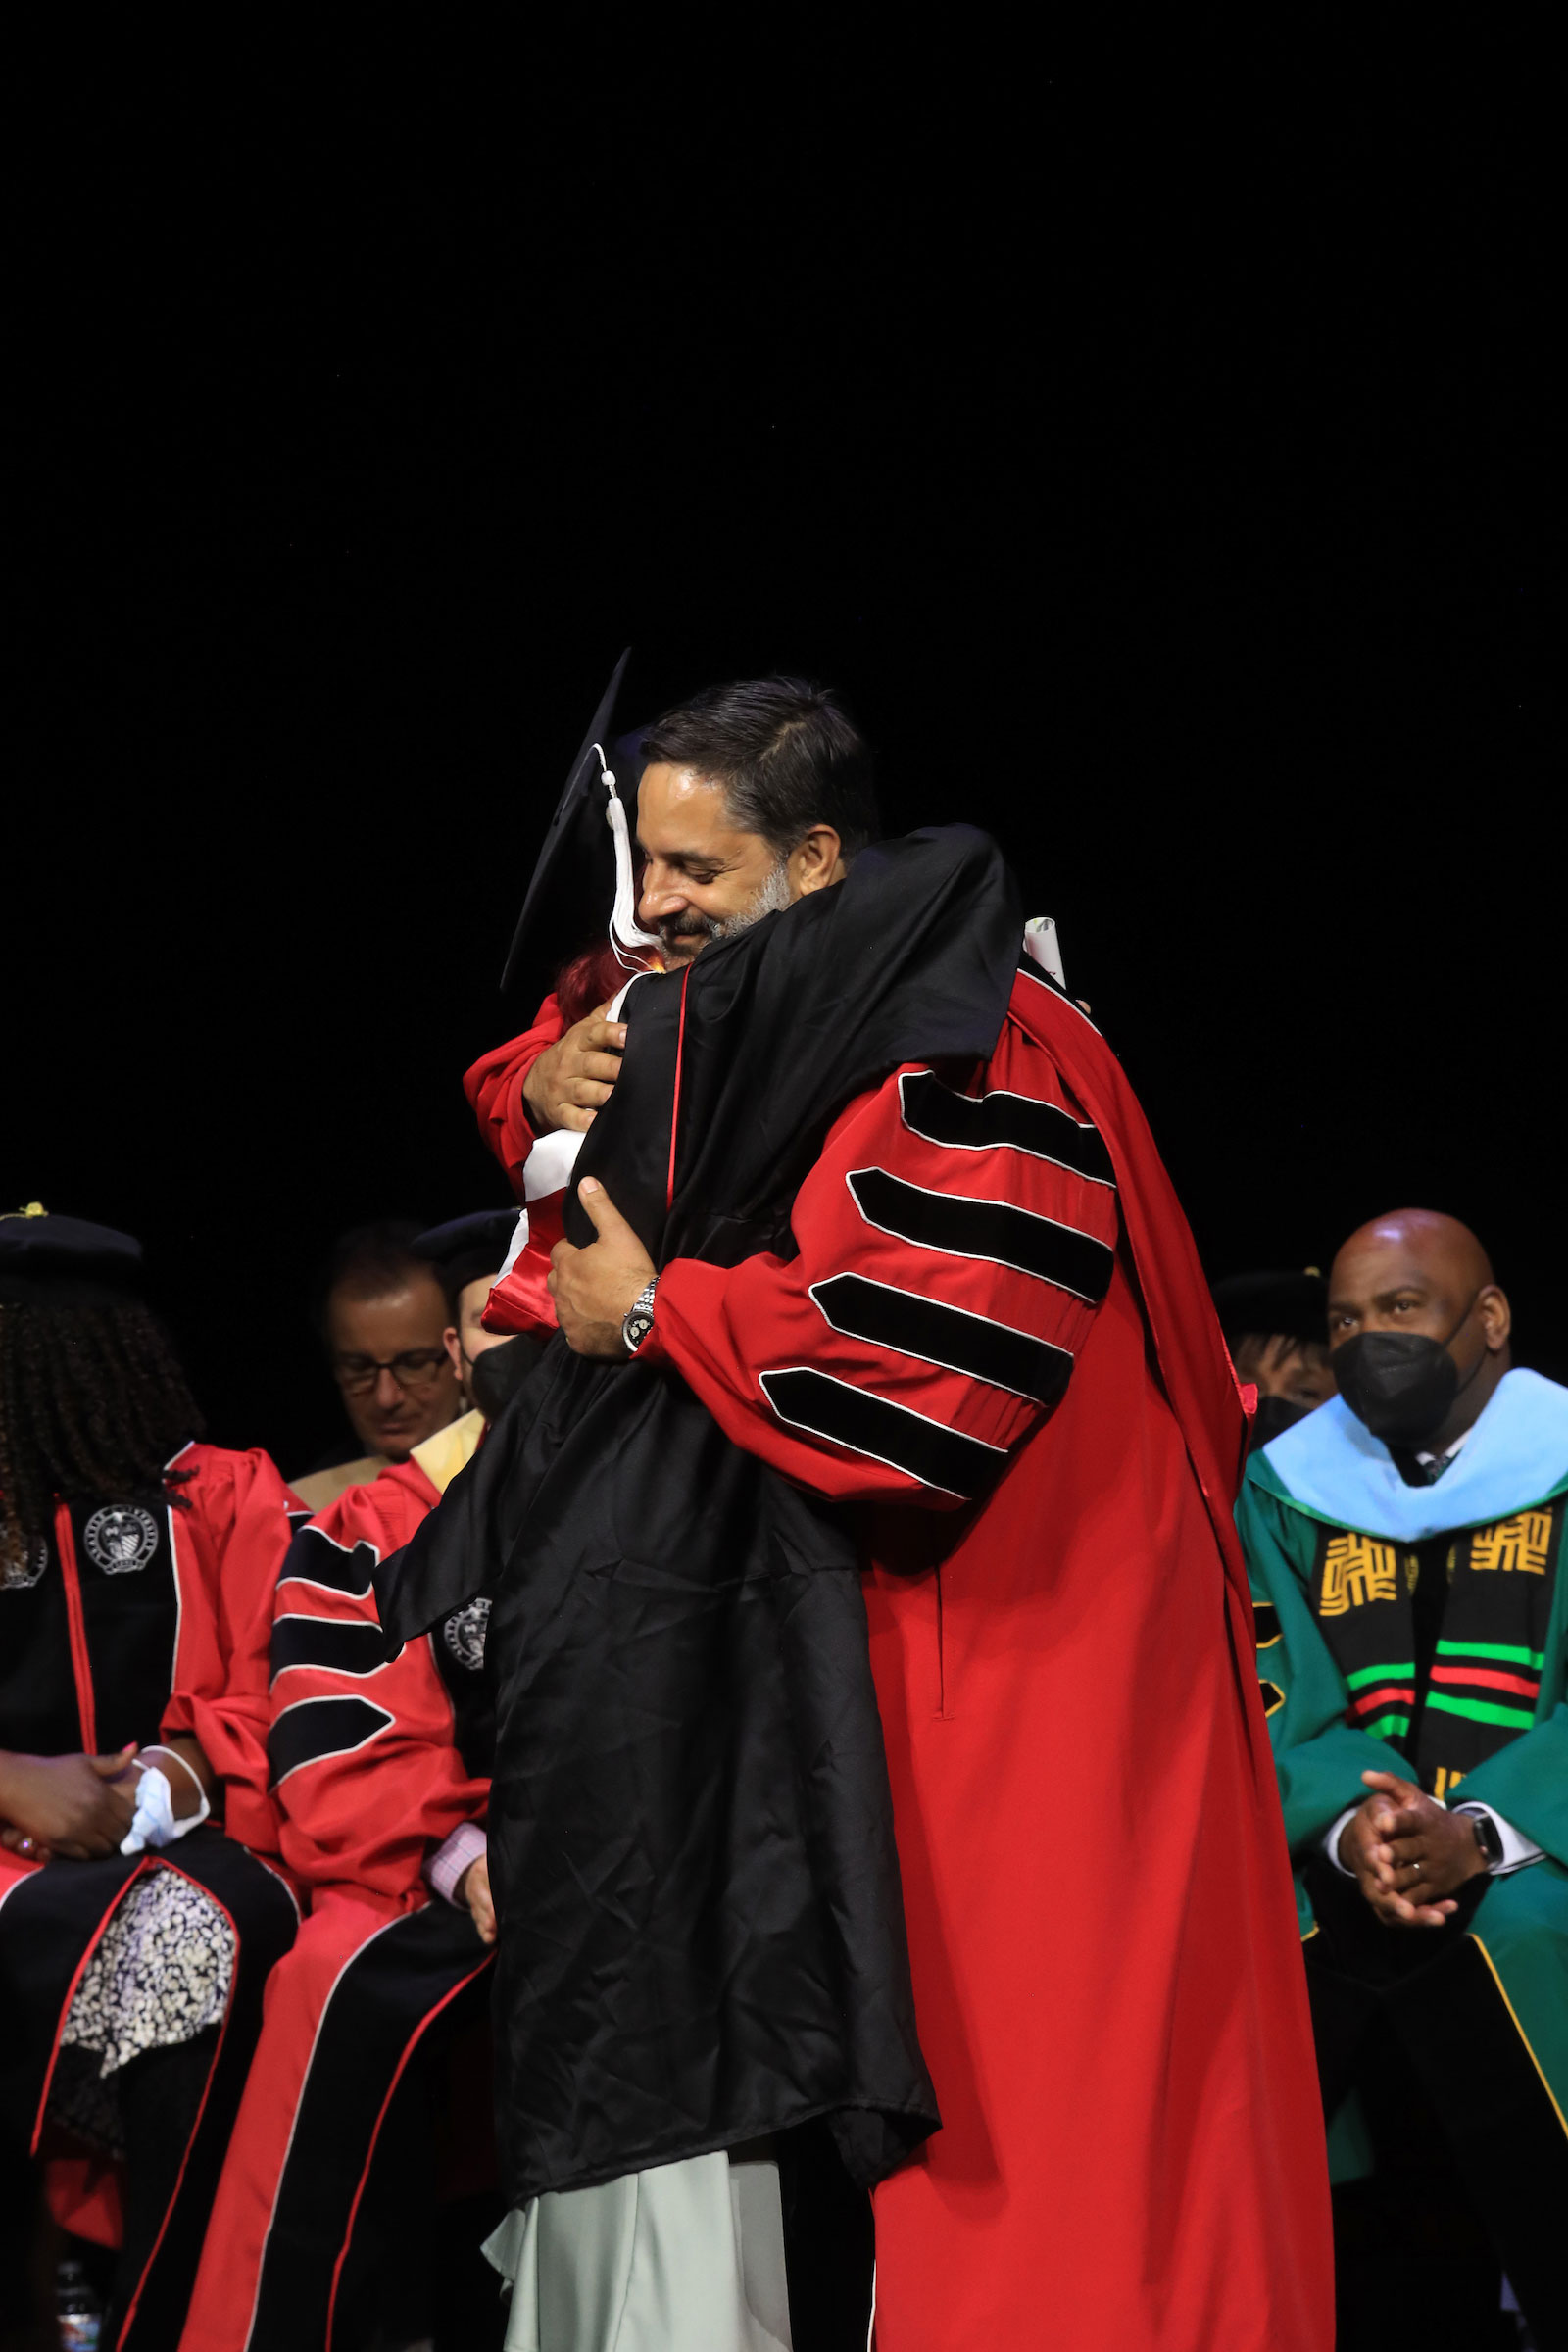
465	1248
65	1259
1269	1305
572	893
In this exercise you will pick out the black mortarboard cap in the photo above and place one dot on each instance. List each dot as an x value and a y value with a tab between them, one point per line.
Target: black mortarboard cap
465	1248
573	886
1283	1304
64	1258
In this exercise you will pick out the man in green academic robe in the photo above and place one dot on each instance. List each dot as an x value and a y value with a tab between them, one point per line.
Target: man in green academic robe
1404	1542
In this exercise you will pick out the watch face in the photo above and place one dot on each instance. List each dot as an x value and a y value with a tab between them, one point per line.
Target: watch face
639	1320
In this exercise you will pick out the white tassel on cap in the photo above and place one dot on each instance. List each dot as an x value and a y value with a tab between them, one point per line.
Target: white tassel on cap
625	934
1040	938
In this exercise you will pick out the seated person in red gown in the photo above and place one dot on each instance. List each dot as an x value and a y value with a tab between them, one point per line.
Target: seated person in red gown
141	1898
321	2230
383	1316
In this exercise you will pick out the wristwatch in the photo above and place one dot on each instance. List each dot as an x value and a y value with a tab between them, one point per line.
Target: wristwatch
639	1318
1488	1838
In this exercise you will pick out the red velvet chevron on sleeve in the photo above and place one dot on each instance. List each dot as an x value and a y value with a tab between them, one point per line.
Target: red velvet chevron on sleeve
956	1239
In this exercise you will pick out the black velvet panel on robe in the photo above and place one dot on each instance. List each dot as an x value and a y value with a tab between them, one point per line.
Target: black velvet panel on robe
690	1838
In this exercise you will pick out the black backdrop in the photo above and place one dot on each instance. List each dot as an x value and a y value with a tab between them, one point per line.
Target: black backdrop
1153	446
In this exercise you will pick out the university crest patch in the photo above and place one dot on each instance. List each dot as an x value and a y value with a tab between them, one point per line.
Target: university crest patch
464	1631
120	1539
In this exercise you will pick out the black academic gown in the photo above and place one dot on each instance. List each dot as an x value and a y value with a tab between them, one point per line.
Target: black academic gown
691	1839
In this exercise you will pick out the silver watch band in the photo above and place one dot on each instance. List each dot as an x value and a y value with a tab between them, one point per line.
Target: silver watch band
639	1317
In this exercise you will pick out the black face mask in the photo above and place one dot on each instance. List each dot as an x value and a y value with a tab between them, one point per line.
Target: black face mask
496	1374
1274	1415
1401	1384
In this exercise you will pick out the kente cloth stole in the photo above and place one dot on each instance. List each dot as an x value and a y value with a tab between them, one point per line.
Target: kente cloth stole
1440	1643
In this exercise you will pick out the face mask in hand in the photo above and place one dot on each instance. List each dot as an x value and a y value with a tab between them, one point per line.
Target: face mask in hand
1401	1384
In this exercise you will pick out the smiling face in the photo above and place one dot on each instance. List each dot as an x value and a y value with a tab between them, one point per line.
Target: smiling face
704	878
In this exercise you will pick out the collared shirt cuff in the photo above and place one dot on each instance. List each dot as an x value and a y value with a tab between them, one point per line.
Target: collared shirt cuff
1331	1839
444	1868
1518	1851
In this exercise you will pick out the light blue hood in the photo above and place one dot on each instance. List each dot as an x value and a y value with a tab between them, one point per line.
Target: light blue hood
1516	1455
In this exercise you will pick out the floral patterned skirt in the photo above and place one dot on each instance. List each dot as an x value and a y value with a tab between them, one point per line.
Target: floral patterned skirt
161	1974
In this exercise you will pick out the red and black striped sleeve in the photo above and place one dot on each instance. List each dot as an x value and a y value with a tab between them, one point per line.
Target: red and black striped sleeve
364	1764
956	1239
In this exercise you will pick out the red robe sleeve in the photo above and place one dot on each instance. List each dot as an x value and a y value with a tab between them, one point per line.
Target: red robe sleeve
956	1239
230	1543
494	1087
367	1772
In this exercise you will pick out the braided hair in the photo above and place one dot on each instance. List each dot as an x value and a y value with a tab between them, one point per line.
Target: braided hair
93	1404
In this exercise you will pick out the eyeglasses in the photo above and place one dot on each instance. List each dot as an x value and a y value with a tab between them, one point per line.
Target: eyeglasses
415	1368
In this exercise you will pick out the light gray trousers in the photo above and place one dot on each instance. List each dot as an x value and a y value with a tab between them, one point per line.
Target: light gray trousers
686	2258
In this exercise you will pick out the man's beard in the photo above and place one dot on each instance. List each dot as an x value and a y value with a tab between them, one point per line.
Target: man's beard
769	899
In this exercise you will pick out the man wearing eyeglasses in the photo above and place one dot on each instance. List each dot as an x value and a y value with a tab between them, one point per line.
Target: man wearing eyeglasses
381	1772
383	1317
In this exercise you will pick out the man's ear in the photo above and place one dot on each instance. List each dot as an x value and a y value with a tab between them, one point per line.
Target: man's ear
454	1347
818	862
1496	1317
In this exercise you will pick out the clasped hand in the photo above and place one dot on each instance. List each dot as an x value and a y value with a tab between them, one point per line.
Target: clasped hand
1409	1853
572	1079
81	1807
595	1288
75	1805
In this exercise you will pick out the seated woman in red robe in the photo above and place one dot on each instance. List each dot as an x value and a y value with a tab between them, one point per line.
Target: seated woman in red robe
136	1574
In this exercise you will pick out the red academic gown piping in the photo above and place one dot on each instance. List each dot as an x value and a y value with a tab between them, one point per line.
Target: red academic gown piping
1102	1932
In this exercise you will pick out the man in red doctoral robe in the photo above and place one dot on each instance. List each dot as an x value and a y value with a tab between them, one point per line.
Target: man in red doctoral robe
380	1779
988	1326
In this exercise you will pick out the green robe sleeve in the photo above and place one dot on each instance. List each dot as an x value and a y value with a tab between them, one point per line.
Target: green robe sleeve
1527	1781
1319	1758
